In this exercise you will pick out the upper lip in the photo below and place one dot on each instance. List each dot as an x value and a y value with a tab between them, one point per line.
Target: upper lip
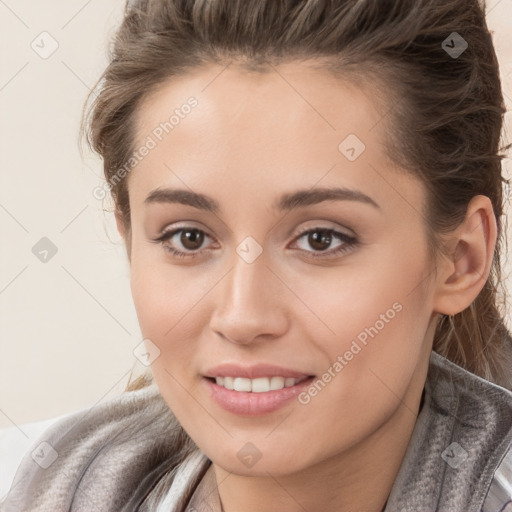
253	371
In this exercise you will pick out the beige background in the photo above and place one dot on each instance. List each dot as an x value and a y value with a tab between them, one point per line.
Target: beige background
68	326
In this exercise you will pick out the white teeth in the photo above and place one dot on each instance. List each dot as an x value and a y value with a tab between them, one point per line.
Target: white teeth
289	382
277	383
259	385
241	384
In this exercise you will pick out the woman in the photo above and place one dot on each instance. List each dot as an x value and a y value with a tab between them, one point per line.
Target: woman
310	193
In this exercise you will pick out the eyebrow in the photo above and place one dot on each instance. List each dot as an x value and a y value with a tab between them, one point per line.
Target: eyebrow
286	202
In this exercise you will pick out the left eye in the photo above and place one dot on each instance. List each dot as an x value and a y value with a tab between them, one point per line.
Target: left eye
191	239
319	237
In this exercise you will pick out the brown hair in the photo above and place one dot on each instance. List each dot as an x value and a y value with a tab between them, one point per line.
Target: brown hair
445	112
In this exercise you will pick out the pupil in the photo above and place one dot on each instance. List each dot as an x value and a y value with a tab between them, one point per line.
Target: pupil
318	242
192	236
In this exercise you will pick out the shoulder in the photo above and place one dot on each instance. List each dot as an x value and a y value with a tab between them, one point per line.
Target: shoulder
104	451
479	415
474	402
499	497
462	435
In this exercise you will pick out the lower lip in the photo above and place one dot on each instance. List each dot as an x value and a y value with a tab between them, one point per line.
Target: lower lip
254	404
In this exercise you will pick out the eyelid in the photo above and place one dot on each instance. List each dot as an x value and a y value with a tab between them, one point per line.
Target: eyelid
319	225
169	232
348	243
349	240
295	233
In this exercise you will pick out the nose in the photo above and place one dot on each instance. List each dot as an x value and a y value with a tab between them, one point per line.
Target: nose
250	304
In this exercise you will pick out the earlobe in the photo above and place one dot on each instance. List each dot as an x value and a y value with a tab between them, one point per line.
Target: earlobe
463	274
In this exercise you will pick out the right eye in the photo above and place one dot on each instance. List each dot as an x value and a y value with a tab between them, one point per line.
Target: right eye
190	239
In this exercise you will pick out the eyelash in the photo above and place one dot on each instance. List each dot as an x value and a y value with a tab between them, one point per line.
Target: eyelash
349	242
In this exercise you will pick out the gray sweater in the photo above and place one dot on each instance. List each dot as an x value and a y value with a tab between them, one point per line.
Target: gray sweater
121	454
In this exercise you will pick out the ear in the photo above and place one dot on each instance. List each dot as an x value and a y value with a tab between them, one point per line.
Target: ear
463	274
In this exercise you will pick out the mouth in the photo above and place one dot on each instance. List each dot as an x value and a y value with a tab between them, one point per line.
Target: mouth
243	396
257	385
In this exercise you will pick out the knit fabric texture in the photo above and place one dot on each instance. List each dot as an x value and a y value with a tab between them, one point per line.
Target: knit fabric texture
114	456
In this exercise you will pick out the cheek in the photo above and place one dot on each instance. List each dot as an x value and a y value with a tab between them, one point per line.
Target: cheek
167	309
378	292
163	303
377	316
173	305
371	359
164	294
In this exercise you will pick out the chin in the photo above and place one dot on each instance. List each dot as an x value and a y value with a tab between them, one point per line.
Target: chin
248	461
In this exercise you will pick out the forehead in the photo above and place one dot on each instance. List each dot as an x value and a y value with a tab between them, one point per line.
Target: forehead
285	99
264	130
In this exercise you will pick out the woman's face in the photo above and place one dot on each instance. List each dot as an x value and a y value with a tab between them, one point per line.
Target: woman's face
264	289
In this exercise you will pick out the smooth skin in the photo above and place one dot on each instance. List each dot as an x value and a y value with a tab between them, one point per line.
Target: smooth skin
252	138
